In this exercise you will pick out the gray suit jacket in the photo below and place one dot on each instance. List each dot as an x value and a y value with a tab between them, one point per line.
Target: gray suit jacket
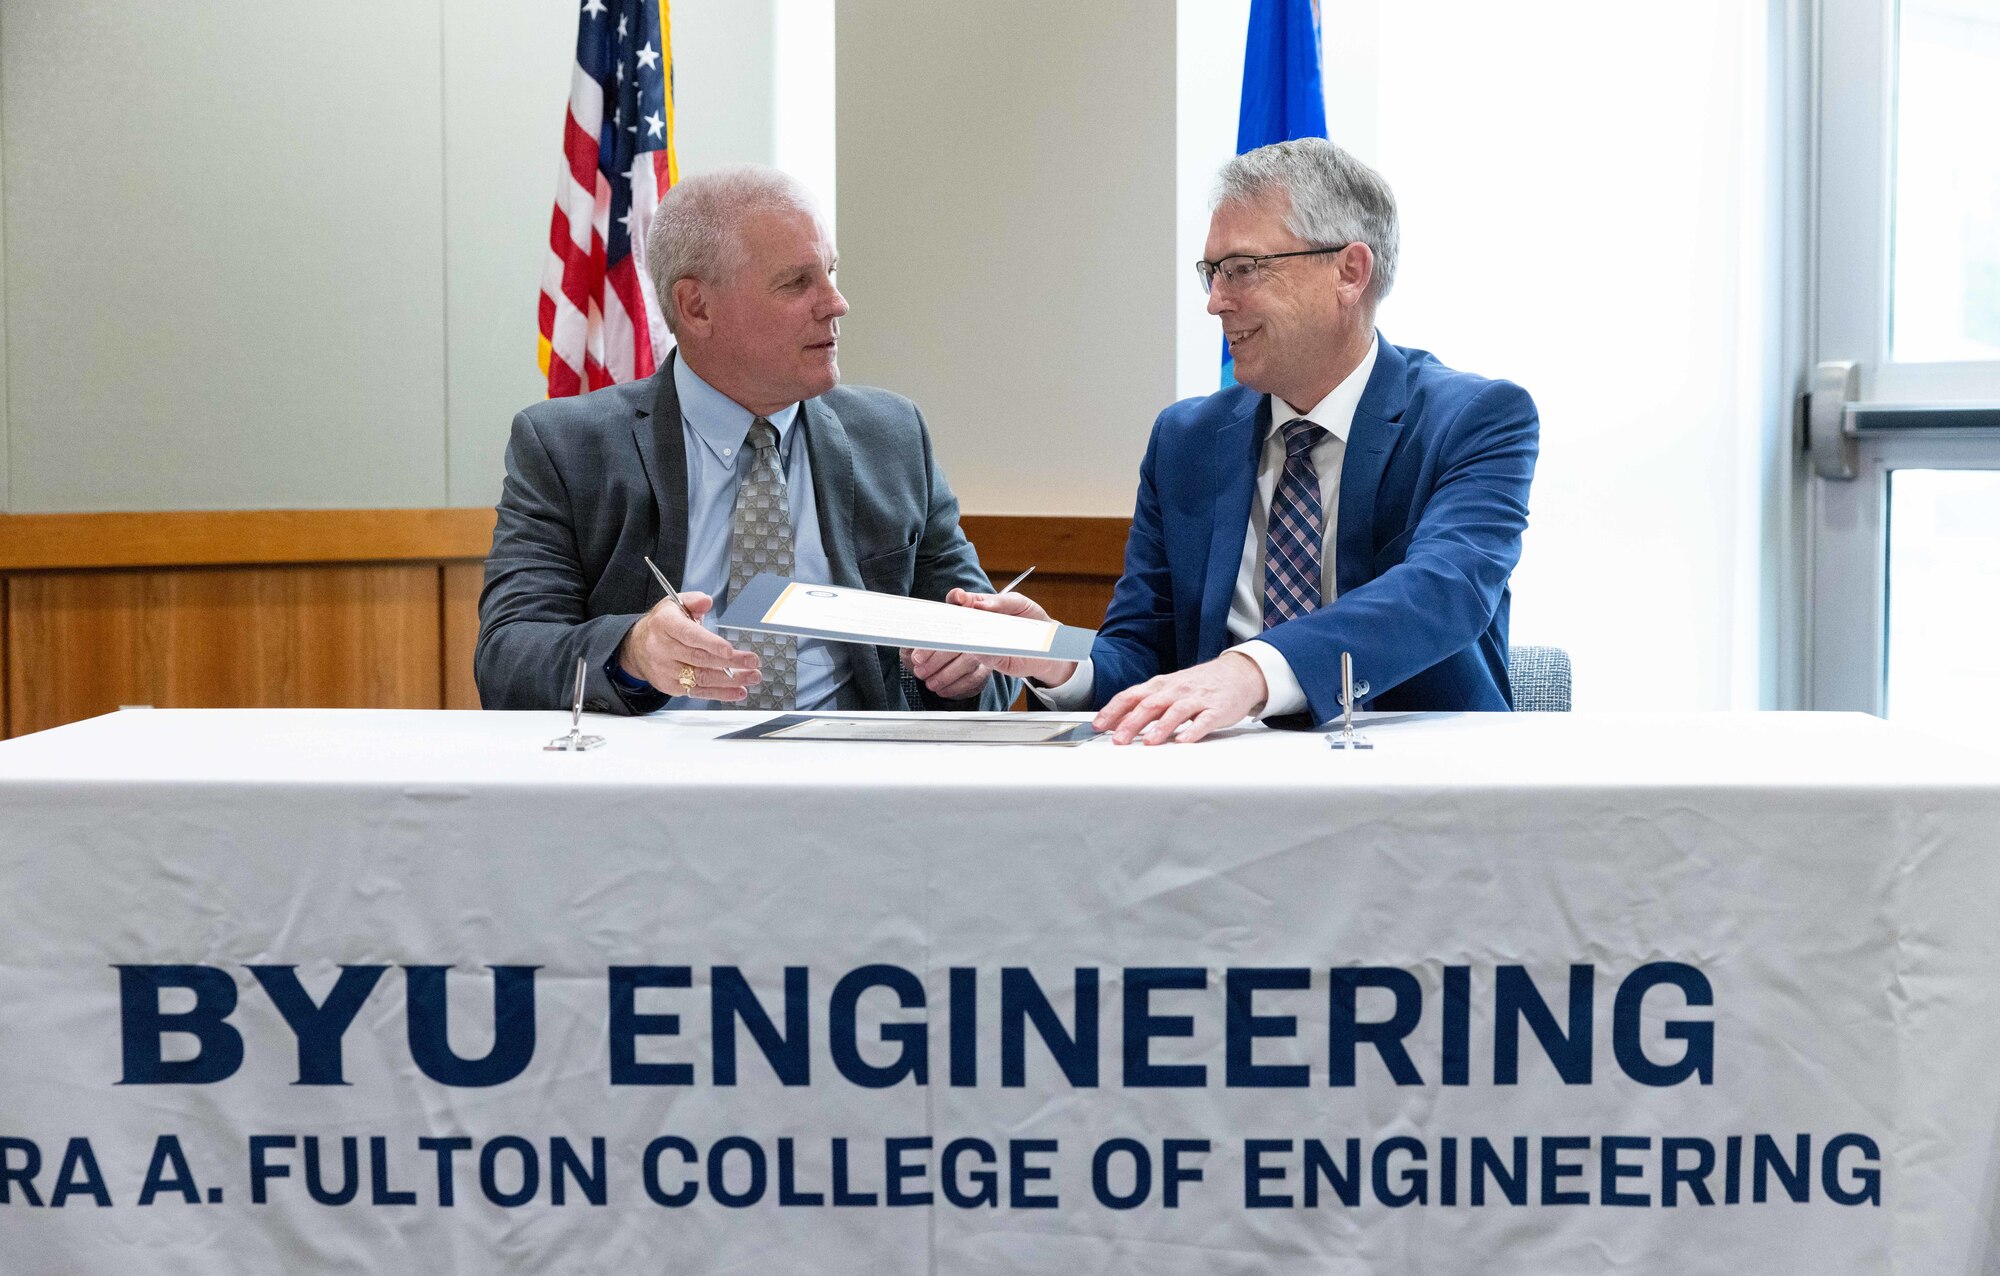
597	482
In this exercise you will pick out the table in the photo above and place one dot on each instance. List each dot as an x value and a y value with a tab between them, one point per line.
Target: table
349	990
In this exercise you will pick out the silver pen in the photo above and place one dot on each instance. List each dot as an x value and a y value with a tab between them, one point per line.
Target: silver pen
667	585
674	596
1007	588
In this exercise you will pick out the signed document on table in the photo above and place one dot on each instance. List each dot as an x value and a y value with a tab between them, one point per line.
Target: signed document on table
838	614
927	728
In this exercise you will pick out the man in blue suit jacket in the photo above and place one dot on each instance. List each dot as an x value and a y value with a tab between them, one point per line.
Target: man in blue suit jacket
1390	490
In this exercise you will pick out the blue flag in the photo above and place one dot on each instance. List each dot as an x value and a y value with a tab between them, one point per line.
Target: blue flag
1283	97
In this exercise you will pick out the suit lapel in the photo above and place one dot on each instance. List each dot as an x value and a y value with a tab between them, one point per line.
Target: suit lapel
663	452
832	457
1378	419
1237	444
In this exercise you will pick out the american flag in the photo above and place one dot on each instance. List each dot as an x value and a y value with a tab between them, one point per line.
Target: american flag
599	319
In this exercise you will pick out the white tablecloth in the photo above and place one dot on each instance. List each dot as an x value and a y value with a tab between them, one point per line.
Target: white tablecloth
1092	918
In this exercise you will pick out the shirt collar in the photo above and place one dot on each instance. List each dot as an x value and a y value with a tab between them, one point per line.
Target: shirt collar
1334	413
721	423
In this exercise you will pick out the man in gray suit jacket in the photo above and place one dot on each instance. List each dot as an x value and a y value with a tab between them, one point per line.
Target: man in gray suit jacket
749	405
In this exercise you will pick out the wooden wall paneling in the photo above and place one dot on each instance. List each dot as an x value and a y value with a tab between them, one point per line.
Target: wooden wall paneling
6	644
1077	561
1055	545
458	604
299	637
31	542
1073	600
335	608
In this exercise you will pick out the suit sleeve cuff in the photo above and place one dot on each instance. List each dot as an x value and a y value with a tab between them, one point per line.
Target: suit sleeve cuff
1070	696
1285	695
639	695
625	681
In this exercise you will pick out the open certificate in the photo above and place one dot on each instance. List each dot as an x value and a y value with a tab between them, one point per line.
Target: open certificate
838	614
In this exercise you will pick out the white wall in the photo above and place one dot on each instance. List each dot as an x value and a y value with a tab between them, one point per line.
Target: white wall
724	62
283	256
803	79
1583	209
1208	62
1008	236
506	83
224	264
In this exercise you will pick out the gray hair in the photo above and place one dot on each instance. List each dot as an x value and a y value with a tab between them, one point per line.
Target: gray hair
1333	197
693	234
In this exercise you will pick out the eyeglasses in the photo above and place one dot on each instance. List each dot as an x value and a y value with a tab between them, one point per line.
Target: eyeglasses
1242	270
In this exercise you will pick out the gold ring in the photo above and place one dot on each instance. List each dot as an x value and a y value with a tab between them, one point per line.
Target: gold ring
687	678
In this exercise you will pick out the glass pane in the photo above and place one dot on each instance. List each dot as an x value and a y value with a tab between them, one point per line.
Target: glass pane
1946	303
1944	602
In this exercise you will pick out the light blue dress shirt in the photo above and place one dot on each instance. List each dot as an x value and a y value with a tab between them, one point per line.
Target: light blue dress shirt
717	463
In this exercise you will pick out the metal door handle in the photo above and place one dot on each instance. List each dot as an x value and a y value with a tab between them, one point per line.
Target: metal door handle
1833	420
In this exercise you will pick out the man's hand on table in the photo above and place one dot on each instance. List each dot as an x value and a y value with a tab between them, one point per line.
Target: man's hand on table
665	647
1192	701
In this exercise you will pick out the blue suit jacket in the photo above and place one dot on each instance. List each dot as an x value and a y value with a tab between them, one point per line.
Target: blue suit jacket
1433	499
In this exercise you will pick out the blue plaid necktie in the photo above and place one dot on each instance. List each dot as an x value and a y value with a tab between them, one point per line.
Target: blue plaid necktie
1292	542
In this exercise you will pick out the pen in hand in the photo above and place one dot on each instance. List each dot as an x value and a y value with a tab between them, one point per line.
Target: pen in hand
673	595
1007	588
667	585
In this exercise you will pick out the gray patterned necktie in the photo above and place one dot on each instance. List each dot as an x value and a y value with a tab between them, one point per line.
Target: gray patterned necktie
760	540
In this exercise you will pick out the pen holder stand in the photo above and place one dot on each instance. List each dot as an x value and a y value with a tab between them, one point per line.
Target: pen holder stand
576	741
1351	694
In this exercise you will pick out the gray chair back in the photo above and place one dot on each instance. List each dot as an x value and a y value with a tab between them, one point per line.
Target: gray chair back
1540	678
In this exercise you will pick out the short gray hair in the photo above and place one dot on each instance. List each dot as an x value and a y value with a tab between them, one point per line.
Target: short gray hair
693	232
1333	197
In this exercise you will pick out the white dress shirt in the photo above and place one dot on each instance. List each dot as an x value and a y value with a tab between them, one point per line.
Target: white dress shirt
1335	415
